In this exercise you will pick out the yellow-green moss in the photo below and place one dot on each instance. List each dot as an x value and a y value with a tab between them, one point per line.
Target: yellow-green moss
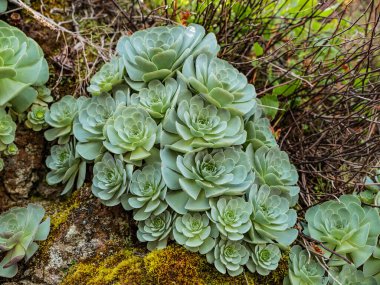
121	268
172	265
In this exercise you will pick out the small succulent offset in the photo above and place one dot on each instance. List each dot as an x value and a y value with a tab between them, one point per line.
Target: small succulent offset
89	124
304	269
264	258
158	97
36	117
111	179
132	132
60	117
345	227
156	53
197	125
66	167
229	256
349	275
198	176
231	216
195	232
156	230
20	228
259	133
271	218
12	149
110	75
147	193
22	65
44	95
7	129
273	168
219	83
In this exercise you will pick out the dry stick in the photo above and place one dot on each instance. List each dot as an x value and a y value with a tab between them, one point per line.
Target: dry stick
324	247
54	26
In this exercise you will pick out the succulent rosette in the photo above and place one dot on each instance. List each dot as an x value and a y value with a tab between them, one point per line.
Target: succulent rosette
109	75
65	167
7	129
111	179
231	216
195	232
304	269
60	117
159	97
156	53
147	192
156	230
219	83
229	256
132	132
20	228
36	118
89	124
345	227
259	133
197	125
22	66
273	168
264	258
271	218
196	177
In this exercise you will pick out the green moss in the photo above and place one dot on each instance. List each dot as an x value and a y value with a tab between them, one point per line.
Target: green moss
172	265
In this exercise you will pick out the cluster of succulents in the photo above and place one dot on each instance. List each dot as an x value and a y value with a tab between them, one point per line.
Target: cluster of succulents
20	229
23	73
351	232
178	138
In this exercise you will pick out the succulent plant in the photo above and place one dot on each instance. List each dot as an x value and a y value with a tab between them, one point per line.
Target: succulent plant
345	227
158	97
195	232
349	275
304	269
231	216
23	66
11	149
156	53
20	228
36	117
273	168
219	83
229	256
61	117
264	258
89	124
130	131
156	230
271	218
259	133
147	193
109	75
372	266
7	129
199	176
43	95
66	167
111	179
197	125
